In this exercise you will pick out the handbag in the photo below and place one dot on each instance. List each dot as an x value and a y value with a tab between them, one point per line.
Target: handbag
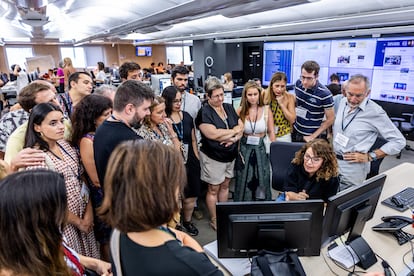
285	263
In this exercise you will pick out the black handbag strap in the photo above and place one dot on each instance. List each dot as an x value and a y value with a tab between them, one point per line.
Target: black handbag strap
264	265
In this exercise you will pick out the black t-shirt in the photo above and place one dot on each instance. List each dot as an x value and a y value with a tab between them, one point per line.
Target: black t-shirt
212	148
168	259
298	179
109	135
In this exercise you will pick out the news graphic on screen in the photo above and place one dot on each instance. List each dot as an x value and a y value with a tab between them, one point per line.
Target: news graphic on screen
356	53
317	50
143	51
393	76
277	56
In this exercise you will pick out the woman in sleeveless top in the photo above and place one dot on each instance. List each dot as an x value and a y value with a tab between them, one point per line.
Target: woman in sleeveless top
87	116
253	181
282	105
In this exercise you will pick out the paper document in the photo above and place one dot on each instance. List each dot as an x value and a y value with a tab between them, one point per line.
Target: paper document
236	266
344	255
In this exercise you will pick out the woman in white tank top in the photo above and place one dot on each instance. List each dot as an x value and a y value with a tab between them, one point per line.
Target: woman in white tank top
253	181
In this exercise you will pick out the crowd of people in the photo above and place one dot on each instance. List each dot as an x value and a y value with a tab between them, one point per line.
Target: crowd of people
84	164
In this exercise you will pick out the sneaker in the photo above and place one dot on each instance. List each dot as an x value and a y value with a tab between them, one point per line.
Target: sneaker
198	214
190	228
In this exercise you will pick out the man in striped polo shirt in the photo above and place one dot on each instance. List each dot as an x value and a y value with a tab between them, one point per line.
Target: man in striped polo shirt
314	110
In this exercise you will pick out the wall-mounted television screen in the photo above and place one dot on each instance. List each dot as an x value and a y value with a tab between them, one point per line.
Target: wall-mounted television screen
143	51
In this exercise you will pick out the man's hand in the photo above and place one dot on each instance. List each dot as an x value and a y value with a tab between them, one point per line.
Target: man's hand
27	157
356	157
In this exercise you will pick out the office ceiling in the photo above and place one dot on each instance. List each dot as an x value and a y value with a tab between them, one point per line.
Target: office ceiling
165	21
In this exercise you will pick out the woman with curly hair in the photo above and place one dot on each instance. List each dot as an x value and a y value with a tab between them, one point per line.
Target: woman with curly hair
313	173
90	113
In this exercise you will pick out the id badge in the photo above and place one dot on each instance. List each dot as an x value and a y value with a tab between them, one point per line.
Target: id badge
253	140
301	112
85	193
276	130
341	139
185	152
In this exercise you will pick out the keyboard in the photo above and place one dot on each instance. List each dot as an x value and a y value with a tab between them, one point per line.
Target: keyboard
401	201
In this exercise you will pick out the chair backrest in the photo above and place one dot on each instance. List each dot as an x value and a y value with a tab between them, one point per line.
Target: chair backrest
281	155
375	165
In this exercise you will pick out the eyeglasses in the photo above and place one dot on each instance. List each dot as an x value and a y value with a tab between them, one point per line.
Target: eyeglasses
303	78
358	96
218	96
177	101
314	159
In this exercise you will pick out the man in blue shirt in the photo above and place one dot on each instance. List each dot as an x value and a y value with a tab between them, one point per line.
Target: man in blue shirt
314	110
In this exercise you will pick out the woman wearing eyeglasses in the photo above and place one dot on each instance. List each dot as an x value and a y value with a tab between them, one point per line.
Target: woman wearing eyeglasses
220	129
282	105
313	173
183	125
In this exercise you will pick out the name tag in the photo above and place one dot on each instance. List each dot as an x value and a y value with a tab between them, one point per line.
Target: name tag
276	130
253	140
341	139
301	112
85	192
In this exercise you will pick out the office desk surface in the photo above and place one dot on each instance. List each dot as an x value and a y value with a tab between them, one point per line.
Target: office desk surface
383	244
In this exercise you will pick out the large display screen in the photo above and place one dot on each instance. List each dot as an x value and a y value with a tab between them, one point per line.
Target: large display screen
387	62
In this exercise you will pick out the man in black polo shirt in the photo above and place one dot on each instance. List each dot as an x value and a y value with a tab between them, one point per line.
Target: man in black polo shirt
131	104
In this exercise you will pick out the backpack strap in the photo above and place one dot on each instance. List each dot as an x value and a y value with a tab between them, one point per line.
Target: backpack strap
115	251
264	265
298	265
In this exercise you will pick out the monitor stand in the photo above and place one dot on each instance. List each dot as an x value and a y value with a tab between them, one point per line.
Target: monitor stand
364	252
357	243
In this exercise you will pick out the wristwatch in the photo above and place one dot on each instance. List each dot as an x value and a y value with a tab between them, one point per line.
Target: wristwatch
373	156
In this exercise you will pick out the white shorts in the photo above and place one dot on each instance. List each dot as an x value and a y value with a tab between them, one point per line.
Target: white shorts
214	172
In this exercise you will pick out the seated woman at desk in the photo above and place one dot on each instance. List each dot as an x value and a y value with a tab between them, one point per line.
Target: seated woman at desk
313	173
139	203
228	82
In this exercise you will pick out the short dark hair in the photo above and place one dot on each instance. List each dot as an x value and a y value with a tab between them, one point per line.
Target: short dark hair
334	77
132	91
75	77
38	114
311	66
33	206
169	93
128	67
179	70
137	199
85	114
28	94
101	65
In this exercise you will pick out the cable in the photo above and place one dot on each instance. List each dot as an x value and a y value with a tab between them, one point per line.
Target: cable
411	269
330	268
386	266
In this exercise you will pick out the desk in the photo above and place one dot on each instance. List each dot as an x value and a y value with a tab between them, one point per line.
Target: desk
383	244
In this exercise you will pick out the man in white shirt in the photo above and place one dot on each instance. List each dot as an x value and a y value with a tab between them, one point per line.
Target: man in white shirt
22	79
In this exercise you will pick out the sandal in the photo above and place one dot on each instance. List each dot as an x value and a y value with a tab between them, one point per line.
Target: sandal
213	224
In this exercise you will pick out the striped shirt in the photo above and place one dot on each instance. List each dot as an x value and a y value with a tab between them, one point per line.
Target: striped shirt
313	102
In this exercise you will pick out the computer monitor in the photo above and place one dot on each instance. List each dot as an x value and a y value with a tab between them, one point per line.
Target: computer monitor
348	211
159	82
244	228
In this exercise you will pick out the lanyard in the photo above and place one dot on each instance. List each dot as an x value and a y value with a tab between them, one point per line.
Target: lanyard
343	115
77	163
253	127
178	127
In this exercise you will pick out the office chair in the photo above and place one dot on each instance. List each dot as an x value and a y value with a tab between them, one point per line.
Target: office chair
406	126
375	165
281	155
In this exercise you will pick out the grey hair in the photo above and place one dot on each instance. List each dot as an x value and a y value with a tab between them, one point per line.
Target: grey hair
211	84
358	78
105	90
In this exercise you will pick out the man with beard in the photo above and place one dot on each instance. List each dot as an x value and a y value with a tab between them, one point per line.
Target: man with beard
190	103
359	121
131	104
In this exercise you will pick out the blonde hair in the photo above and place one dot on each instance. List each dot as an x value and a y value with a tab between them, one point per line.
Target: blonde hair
68	61
4	168
244	104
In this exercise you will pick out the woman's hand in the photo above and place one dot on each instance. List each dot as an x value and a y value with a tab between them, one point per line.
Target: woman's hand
297	196
103	268
85	225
